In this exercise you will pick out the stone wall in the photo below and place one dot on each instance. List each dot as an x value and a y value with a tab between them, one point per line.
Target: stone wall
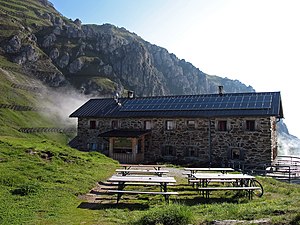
200	142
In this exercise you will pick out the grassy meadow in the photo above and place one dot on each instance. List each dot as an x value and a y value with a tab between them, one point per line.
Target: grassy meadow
41	182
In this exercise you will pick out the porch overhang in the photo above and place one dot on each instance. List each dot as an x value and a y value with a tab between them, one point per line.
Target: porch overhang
127	133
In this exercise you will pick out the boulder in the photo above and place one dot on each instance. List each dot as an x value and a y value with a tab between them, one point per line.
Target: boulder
27	54
49	40
54	54
78	22
76	65
64	60
14	45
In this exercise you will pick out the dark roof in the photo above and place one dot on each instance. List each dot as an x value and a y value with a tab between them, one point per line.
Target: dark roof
124	133
209	105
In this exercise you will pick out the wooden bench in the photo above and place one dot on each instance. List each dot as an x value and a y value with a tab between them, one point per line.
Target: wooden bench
125	172
207	190
121	192
197	182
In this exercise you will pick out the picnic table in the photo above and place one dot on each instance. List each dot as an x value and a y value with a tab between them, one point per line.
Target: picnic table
125	172
240	182
122	181
154	166
209	169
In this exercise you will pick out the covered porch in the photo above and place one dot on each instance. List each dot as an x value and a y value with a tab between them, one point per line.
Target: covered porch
126	146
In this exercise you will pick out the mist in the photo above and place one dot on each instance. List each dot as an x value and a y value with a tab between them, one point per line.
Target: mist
57	104
288	144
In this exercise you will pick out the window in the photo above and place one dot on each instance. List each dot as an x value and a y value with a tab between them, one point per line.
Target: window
222	125
148	125
170	125
250	125
169	150
122	145
114	124
190	151
191	123
92	124
92	146
235	154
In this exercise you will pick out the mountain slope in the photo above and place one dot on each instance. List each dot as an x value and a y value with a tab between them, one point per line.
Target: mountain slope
100	59
97	60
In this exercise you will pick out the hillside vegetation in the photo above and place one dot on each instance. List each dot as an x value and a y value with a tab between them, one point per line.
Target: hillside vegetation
40	177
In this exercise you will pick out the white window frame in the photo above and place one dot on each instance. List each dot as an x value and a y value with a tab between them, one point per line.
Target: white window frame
191	123
170	125
148	125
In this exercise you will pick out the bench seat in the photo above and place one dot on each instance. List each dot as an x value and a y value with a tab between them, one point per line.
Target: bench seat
121	192
213	180
207	190
197	182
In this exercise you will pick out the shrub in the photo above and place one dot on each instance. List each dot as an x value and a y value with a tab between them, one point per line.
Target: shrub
173	214
296	220
11	180
26	189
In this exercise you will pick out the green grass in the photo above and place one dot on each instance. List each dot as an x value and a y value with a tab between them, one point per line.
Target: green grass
40	180
173	214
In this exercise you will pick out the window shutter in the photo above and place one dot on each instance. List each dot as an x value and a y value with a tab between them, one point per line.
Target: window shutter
229	153
242	154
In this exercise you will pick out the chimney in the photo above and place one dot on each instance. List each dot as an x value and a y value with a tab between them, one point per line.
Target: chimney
130	94
221	90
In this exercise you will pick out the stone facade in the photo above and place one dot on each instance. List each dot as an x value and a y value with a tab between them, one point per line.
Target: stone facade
214	141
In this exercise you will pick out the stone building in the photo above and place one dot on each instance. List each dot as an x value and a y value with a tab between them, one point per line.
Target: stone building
211	129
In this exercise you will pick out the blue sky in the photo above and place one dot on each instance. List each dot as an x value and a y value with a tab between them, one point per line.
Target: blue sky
254	41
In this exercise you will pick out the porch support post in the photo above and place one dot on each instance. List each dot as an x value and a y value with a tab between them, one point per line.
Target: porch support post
143	144
134	148
111	147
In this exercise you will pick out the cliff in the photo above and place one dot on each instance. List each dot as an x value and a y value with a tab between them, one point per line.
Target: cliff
99	59
96	60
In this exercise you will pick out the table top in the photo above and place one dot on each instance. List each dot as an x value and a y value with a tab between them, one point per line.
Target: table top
142	165
142	171
209	169
222	176
142	179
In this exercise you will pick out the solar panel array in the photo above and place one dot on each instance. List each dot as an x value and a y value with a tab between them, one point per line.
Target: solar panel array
199	102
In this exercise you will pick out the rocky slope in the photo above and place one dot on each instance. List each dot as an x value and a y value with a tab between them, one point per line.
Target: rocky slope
38	41
100	59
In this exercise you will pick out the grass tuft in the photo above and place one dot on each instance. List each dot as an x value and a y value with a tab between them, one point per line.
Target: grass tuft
173	214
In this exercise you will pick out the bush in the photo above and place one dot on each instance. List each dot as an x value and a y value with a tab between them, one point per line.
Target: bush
296	220
167	215
26	189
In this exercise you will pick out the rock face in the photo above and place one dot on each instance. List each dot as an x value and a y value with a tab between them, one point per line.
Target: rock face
105	51
86	55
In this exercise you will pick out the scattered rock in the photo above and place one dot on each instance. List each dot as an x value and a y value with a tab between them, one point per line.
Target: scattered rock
54	54
64	60
49	40
14	45
76	65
